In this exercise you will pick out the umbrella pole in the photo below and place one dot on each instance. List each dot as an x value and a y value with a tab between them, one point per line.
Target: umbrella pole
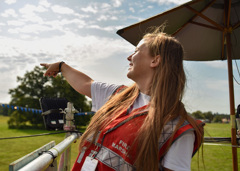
232	105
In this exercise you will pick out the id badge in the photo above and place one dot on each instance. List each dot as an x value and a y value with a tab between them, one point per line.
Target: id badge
89	164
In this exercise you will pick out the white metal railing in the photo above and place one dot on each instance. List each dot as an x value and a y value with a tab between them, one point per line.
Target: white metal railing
43	161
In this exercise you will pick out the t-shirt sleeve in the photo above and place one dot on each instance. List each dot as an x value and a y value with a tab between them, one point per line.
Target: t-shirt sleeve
100	93
179	155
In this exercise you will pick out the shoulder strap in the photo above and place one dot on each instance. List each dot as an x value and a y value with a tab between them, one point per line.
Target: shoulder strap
186	126
119	89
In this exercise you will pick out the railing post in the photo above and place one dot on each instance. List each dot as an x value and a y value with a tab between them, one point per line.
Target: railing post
65	160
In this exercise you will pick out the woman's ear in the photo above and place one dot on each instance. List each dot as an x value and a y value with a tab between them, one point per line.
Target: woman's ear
156	61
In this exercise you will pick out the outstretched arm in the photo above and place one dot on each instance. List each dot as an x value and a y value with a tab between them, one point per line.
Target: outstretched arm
78	80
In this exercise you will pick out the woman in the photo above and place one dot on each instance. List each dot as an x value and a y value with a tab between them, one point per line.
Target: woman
144	126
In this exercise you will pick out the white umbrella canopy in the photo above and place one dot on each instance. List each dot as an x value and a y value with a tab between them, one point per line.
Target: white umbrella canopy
201	27
208	30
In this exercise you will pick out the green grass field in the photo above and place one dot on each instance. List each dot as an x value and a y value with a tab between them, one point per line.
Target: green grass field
215	157
13	149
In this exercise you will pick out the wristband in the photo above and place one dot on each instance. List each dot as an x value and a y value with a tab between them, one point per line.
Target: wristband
60	71
60	66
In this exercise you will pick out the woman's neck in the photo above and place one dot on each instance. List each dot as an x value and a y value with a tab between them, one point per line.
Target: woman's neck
144	87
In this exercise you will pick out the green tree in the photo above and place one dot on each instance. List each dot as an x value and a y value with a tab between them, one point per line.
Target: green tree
208	115
198	115
32	86
217	119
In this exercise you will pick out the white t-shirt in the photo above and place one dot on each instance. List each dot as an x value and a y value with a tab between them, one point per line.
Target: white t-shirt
180	153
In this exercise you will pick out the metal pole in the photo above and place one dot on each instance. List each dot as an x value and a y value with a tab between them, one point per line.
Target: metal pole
232	105
228	31
65	160
43	161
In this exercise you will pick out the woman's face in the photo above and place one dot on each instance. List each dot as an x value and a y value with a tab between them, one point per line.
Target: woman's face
140	62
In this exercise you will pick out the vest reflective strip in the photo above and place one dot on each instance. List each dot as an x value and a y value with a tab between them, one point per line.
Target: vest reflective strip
81	155
167	131
113	160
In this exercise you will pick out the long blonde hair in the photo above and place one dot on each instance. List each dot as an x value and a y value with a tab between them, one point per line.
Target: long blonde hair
166	93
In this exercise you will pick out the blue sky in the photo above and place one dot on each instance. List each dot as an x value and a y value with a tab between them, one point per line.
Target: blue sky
83	34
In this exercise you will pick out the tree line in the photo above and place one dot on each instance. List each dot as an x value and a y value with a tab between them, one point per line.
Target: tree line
33	85
211	117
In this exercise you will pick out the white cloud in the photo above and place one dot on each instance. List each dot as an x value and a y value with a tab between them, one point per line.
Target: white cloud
29	13
8	81
103	11
30	28
117	3
109	28
24	36
102	18
70	45
135	18
177	2
28	9
9	13
41	27
44	3
149	6
113	18
106	18
32	17
15	23
13	31
91	9
62	10
10	1
81	52
105	6
73	21
131	9
38	25
63	25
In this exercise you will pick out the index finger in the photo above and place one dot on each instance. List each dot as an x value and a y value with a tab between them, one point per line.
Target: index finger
44	64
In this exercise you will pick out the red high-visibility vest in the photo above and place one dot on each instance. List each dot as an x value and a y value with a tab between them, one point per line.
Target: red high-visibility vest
112	149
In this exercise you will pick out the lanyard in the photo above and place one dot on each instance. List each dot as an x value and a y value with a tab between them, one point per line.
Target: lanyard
117	126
